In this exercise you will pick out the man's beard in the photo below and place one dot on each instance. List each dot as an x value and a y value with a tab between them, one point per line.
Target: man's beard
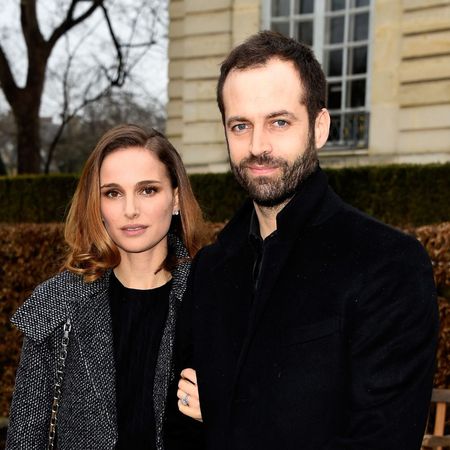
273	191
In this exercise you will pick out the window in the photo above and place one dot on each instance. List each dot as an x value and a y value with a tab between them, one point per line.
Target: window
339	33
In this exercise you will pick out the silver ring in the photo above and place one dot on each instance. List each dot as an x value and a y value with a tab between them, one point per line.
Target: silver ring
185	400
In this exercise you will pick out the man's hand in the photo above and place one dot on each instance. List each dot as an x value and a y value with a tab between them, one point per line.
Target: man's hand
188	399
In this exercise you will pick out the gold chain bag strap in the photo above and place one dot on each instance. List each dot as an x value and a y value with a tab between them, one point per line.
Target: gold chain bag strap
61	363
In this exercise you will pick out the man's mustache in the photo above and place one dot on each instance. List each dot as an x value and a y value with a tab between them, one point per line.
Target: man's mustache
262	160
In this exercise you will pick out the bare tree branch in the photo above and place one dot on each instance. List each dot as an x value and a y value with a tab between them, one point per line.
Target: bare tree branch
66	119
139	44
102	75
7	82
69	21
120	73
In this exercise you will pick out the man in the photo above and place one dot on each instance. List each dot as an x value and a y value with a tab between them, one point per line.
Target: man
310	325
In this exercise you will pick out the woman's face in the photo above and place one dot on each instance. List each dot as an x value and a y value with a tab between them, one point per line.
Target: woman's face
137	201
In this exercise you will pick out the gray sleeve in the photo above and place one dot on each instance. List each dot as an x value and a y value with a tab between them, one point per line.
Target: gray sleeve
32	397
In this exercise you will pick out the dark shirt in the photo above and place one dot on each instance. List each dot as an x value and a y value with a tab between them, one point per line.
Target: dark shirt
258	245
138	318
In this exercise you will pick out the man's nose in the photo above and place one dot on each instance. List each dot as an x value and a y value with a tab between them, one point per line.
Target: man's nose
260	142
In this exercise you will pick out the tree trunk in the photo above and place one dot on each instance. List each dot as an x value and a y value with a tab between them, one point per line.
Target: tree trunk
2	167
28	142
26	112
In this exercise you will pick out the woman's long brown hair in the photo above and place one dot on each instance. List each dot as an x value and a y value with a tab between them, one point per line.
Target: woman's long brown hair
91	250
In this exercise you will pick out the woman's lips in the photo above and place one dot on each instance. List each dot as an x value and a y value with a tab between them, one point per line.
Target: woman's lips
134	230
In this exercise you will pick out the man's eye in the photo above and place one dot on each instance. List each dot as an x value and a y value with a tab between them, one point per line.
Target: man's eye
239	127
280	123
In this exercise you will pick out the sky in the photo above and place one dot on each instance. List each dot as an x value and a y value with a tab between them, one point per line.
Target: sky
90	43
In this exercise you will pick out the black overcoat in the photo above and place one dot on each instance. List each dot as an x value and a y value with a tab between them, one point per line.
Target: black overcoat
337	351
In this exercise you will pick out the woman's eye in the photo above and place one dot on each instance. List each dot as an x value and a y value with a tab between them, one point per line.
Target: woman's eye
111	194
149	190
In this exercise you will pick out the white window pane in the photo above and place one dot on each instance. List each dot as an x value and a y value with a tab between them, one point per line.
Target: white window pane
304	7
304	32
335	129
356	93
349	130
357	60
333	63
335	5
281	27
334	96
338	30
355	128
360	27
335	30
280	8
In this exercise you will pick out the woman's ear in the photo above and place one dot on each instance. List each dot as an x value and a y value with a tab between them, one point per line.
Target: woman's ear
322	127
176	203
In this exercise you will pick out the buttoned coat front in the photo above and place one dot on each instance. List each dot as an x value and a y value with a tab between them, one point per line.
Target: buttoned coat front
87	411
332	350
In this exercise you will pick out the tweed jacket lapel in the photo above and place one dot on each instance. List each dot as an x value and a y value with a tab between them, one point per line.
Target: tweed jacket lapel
92	328
87	306
164	366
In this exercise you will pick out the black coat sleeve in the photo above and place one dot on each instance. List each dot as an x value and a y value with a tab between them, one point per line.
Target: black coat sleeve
392	348
182	432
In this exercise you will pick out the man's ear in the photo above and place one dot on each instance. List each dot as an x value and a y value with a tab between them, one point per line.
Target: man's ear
322	127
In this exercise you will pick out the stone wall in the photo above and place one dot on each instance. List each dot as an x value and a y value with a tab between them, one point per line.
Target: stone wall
201	34
410	80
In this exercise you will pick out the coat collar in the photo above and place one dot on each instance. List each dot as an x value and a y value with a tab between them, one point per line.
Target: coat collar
302	210
50	304
53	301
181	271
164	366
92	328
64	296
312	204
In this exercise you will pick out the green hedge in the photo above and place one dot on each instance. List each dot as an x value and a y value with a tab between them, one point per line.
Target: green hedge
396	194
35	198
219	195
30	253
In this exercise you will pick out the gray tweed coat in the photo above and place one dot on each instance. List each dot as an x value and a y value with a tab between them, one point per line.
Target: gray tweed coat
87	412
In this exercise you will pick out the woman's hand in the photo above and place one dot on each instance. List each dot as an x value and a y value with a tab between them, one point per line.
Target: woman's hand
188	399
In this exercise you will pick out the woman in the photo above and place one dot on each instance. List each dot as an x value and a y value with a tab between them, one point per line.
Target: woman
98	346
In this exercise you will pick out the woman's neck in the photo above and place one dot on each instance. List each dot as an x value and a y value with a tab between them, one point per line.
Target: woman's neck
141	271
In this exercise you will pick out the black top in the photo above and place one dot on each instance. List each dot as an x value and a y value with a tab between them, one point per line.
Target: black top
258	246
138	318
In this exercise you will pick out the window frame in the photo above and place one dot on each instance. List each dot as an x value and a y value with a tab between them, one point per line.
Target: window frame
319	18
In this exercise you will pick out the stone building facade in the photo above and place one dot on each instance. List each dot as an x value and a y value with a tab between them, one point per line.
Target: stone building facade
387	63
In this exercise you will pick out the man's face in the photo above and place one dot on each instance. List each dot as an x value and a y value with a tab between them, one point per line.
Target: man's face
269	141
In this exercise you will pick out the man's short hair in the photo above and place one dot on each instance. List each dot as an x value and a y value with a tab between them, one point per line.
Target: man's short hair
259	48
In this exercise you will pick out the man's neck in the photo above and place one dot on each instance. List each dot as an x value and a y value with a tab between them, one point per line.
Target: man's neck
267	218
